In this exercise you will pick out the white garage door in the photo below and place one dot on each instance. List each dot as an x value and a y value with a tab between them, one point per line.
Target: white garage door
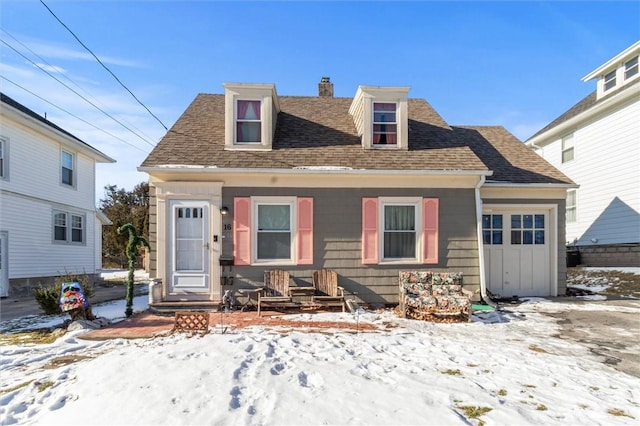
517	252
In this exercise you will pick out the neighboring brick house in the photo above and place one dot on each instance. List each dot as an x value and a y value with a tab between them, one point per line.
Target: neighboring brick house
367	186
597	143
49	224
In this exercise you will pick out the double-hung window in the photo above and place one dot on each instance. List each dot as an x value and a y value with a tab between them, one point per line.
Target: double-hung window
385	126
248	122
67	163
273	230
572	206
631	68
274	233
610	80
400	230
400	234
3	159
68	227
567	148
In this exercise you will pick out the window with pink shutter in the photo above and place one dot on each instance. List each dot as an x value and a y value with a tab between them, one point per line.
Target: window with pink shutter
305	231
242	230
369	231
430	230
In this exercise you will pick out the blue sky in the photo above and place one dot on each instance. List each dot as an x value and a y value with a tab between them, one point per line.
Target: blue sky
515	64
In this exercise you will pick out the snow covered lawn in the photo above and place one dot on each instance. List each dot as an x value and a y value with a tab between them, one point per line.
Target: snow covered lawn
504	368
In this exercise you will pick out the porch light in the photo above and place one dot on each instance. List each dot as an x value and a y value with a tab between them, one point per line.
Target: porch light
224	210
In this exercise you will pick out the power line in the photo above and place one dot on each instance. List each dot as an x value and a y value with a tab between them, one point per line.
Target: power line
66	77
85	99
103	65
71	114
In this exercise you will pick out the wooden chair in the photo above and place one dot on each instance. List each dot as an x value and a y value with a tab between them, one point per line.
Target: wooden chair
275	293
328	292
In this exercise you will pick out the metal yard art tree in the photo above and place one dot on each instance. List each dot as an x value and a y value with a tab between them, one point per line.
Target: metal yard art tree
135	241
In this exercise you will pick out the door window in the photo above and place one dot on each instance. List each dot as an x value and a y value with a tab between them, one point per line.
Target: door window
189	239
527	229
492	229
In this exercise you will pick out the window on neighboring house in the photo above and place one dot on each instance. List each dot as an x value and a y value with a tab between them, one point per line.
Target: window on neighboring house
571	205
68	227
492	229
385	128
399	229
610	80
631	68
527	229
273	230
248	124
567	148
60	226
3	155
66	160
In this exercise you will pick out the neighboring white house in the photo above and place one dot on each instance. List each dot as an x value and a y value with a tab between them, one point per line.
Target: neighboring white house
597	144
48	220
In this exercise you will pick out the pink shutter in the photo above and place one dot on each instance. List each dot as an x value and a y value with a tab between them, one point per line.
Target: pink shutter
369	231
430	230
242	230
304	233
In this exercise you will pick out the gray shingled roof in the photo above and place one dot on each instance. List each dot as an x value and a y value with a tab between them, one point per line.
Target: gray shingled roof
585	104
318	131
18	106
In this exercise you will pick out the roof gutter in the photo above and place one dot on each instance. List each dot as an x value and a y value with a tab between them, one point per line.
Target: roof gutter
483	282
186	169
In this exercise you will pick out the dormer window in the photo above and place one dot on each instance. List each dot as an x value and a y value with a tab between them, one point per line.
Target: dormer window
381	116
610	80
251	111
248	124
631	68
385	128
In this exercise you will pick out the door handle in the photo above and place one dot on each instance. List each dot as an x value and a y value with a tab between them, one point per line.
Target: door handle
206	245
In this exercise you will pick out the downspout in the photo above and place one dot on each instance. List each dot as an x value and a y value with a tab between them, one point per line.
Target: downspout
483	284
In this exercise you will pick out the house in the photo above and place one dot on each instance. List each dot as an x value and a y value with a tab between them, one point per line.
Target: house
249	180
49	225
597	144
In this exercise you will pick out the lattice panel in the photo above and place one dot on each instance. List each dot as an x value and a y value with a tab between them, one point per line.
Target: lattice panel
191	322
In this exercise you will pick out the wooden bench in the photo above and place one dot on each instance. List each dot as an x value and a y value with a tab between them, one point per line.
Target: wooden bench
434	296
327	291
276	294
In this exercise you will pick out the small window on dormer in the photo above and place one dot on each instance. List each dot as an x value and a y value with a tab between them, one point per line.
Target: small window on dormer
610	80
248	124
385	128
631	68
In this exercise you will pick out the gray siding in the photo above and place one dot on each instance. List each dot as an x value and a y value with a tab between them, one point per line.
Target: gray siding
337	239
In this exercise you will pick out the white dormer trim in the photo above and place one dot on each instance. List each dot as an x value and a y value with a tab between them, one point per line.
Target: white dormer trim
361	110
616	65
269	109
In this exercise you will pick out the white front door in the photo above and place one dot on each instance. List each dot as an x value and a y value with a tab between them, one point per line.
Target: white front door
4	264
189	249
517	252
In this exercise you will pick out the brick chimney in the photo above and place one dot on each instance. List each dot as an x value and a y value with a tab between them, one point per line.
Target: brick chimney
325	88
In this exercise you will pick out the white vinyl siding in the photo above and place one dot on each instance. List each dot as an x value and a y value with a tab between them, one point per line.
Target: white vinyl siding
609	177
31	194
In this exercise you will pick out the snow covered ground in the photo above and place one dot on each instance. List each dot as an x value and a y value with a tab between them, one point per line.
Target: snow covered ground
504	368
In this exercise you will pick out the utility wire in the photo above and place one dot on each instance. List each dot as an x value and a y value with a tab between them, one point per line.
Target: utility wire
104	66
71	114
85	99
66	77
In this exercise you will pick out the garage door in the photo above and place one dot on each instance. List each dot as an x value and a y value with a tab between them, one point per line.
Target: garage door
517	254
